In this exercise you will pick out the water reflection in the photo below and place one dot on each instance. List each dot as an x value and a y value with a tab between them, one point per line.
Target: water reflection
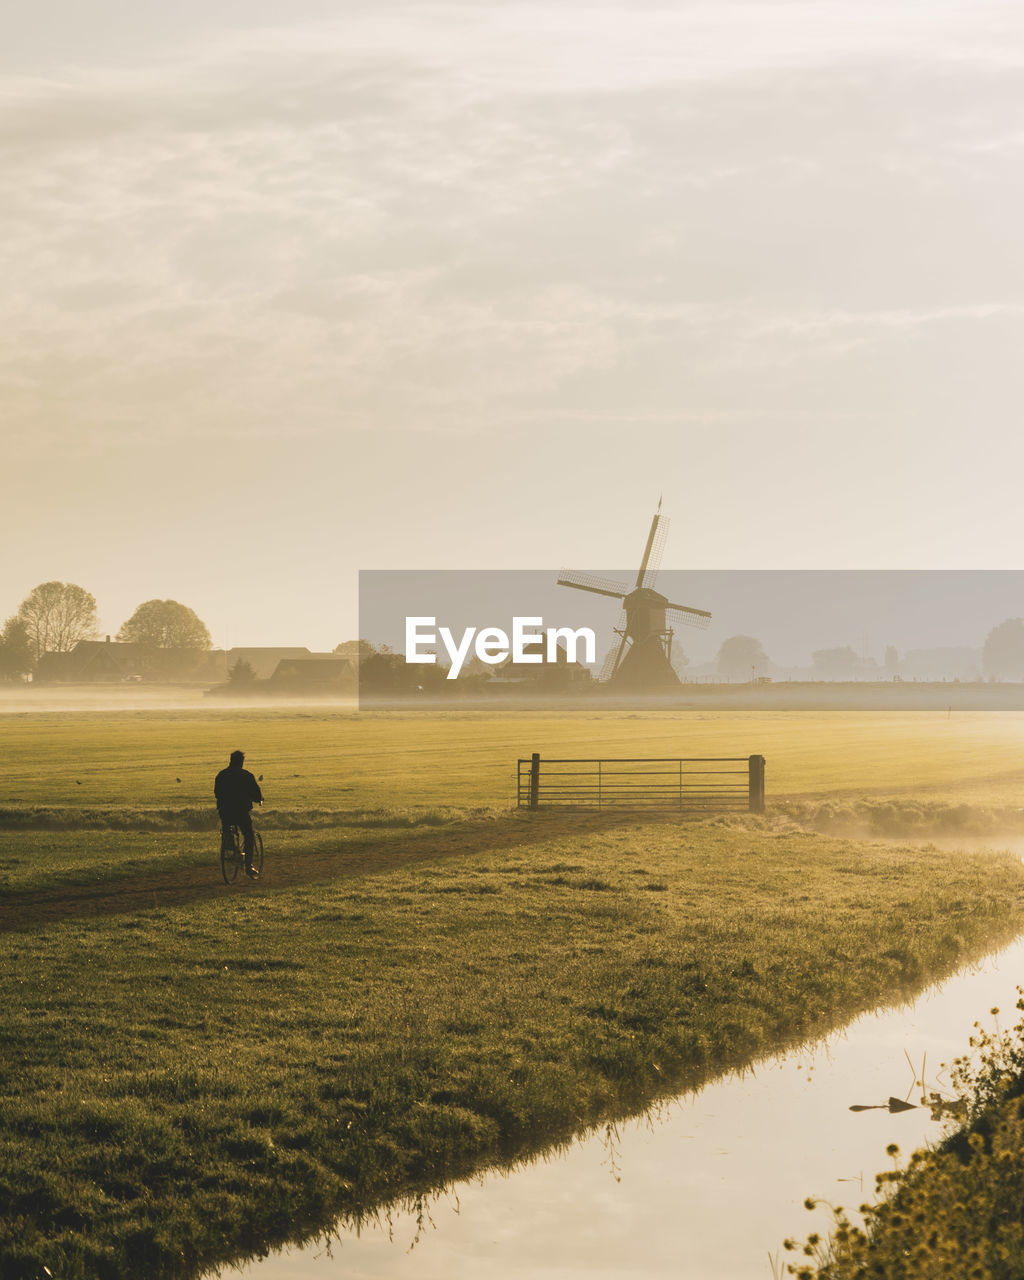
704	1187
894	1106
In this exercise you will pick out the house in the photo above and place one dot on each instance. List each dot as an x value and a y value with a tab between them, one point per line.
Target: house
111	662
264	661
92	661
528	678
318	674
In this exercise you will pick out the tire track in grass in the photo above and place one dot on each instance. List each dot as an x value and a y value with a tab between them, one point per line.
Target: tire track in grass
329	860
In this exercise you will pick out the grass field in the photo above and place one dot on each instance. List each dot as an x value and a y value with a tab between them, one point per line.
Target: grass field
349	761
425	981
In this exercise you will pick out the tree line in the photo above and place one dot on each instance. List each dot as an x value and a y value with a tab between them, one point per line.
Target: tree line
55	616
1002	657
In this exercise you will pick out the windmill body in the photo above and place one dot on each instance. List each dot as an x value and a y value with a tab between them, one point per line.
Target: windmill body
640	659
646	663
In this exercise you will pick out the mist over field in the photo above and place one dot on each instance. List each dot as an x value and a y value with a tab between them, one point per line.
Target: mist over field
317	315
792	613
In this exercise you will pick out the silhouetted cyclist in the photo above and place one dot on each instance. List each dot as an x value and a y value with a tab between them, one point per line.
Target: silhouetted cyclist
235	790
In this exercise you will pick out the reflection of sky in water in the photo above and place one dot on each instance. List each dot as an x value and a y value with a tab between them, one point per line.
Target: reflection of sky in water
709	1186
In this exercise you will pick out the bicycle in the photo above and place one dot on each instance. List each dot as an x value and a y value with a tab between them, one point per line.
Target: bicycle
232	860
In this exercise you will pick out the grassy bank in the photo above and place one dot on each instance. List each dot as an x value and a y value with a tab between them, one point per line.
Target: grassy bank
183	1085
956	1210
427	982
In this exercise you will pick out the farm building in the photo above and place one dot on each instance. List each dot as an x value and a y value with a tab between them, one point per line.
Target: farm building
529	678
92	661
264	660
315	675
111	661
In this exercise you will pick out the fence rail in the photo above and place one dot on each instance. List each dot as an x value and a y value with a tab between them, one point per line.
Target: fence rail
695	784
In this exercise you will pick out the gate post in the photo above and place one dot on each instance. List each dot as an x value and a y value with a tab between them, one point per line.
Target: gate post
535	780
756	784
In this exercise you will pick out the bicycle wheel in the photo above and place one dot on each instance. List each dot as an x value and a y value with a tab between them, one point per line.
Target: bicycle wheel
231	859
257	853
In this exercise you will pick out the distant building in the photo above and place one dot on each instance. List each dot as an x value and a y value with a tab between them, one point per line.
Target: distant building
294	669
529	678
92	661
111	662
315	675
264	661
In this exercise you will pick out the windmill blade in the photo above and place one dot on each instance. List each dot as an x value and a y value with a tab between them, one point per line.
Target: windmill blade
616	650
687	616
650	574
592	582
648	545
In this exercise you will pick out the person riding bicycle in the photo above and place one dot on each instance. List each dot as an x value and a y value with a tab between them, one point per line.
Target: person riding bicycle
235	790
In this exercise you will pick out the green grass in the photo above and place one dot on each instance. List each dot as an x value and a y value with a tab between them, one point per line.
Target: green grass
427	982
181	1085
341	760
33	860
59	856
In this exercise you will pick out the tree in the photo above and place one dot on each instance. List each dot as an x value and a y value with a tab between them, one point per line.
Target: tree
1003	653
384	673
165	624
355	650
242	673
740	656
16	659
56	615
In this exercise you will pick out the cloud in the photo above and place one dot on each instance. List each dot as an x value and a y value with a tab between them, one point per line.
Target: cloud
456	218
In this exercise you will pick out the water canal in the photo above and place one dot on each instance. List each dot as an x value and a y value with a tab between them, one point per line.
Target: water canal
702	1188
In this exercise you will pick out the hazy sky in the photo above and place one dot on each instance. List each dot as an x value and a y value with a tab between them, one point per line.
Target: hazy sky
792	612
294	290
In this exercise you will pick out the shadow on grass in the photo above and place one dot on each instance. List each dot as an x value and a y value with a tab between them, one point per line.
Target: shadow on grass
412	838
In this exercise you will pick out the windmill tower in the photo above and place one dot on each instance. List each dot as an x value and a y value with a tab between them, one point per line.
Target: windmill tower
640	659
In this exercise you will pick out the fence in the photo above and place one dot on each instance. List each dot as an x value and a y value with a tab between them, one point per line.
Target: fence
688	785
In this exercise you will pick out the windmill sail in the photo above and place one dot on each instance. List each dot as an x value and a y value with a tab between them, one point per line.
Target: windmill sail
657	542
592	582
648	547
616	649
689	617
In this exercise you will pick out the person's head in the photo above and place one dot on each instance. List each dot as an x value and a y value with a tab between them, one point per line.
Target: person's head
237	759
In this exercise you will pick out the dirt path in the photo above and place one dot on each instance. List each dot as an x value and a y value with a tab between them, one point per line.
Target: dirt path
333	858
199	884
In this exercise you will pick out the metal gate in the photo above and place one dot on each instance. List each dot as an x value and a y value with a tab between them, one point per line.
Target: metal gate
696	784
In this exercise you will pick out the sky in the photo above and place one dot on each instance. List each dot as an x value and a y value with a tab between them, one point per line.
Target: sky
293	291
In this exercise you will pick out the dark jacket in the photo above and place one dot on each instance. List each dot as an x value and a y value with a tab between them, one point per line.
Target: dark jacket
235	790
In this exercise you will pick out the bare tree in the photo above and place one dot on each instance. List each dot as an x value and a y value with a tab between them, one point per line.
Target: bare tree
56	615
165	624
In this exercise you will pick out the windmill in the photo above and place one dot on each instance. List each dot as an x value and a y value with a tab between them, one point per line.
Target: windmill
641	658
